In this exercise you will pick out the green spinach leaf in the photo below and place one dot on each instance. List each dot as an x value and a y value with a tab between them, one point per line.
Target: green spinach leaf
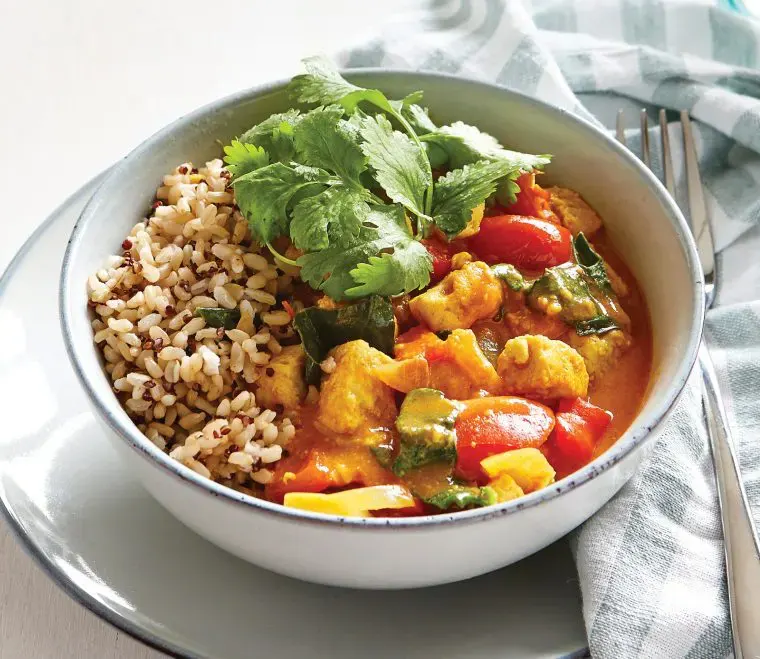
459	496
219	317
511	276
591	262
321	330
426	430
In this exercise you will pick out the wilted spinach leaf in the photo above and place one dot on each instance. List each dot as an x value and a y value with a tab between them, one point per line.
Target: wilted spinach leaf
321	330
218	317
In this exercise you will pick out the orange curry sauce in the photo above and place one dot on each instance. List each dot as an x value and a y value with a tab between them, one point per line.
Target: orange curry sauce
619	389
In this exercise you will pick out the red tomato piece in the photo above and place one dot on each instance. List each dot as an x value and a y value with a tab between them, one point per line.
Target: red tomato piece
439	251
597	418
492	425
525	242
580	425
318	471
309	474
532	200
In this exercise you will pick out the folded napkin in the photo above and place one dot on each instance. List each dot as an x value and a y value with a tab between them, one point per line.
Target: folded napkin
650	563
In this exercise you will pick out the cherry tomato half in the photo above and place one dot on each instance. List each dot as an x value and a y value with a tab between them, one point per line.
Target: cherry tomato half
492	425
532	200
525	242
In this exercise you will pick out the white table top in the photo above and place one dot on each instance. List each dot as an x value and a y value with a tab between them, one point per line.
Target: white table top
82	83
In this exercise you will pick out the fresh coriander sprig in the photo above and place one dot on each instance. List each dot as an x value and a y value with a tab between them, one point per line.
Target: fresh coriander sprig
324	85
354	194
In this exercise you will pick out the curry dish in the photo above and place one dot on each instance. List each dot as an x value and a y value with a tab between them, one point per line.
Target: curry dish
493	390
359	312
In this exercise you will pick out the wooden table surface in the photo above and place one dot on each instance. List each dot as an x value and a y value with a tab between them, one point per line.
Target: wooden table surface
83	82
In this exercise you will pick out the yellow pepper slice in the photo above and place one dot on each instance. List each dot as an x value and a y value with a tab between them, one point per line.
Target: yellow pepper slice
352	503
527	466
506	488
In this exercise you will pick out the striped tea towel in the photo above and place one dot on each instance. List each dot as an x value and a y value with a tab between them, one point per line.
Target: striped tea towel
650	563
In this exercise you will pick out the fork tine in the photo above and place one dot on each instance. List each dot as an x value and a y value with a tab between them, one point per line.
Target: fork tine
620	128
645	138
667	161
700	224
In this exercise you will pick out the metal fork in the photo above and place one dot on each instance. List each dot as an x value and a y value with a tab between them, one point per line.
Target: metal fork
740	537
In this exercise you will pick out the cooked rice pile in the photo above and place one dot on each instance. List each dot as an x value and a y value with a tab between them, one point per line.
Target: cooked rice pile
191	388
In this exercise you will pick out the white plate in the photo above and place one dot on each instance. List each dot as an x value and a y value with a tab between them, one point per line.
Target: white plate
111	547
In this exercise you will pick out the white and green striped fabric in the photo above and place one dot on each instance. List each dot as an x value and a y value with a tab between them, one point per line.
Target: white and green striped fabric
650	563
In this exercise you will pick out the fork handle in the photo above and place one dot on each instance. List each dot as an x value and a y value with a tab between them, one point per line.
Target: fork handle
739	534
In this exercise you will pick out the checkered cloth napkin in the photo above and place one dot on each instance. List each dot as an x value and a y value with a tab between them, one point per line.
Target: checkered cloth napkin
650	563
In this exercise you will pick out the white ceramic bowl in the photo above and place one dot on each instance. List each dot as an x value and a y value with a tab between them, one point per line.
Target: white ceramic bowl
402	553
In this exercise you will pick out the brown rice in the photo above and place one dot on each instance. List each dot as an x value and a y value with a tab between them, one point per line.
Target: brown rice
191	389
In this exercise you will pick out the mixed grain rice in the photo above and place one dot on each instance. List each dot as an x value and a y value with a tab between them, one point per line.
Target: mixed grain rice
191	388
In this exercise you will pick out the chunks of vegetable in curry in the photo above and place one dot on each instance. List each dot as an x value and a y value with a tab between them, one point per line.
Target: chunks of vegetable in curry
425	427
484	400
542	368
282	383
464	296
352	398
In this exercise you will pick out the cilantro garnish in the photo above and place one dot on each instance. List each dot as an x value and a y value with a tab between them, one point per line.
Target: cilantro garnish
264	194
333	217
244	158
385	259
401	167
350	182
461	144
275	135
323	139
457	193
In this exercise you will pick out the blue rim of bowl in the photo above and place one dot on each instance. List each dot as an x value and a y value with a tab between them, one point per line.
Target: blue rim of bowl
631	439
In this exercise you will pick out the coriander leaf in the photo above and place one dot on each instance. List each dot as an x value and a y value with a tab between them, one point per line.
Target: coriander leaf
401	167
466	144
323	139
418	117
334	216
461	190
406	268
218	317
321	83
243	158
407	101
329	270
263	196
275	135
321	330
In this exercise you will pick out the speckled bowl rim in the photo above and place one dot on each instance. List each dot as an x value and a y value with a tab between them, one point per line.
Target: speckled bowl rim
632	439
